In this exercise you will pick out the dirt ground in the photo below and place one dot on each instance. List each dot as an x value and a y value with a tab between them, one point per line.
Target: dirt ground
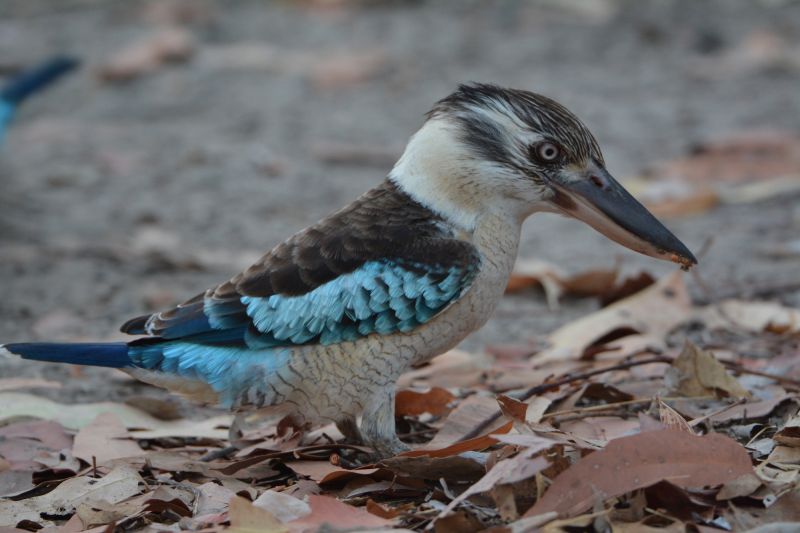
122	198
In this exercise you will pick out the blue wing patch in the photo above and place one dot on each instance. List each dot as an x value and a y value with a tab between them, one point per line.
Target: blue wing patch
379	297
246	340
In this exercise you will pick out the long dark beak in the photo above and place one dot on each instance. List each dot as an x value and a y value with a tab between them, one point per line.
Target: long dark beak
600	201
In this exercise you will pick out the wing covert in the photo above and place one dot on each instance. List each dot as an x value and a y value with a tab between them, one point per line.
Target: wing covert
383	264
381	297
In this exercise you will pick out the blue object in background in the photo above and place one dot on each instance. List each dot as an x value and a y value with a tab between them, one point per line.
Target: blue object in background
29	82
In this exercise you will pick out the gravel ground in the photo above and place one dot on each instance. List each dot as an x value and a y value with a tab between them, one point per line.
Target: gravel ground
118	199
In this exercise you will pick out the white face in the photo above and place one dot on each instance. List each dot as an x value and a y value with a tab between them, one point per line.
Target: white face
517	157
439	169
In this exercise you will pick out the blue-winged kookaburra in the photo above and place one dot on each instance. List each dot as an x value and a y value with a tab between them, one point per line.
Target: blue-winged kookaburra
324	323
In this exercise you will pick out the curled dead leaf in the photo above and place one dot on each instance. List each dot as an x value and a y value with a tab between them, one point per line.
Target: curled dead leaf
696	372
435	401
646	318
641	460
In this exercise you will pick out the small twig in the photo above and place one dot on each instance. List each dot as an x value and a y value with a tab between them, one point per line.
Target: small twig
621	413
698	420
783	380
545	387
758	434
611	406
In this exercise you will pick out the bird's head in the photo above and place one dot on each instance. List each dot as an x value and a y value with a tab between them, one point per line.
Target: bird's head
489	149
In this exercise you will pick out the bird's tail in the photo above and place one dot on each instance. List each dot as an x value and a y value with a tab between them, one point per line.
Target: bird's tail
110	354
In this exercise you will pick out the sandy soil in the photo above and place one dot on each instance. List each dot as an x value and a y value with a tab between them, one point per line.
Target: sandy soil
119	199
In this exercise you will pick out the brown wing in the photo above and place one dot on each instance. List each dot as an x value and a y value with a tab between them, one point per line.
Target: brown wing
384	223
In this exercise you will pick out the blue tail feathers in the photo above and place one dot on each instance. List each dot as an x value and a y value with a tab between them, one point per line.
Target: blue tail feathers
109	354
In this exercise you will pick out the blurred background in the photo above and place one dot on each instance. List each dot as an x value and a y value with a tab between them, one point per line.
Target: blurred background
196	134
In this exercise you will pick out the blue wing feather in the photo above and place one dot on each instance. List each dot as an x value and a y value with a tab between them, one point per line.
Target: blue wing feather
379	297
226	336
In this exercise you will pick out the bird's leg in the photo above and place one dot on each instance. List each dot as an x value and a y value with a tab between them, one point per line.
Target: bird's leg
349	428
377	425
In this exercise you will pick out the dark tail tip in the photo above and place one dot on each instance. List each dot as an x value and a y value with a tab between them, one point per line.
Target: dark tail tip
109	354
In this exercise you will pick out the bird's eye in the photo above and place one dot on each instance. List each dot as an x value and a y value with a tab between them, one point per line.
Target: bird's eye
546	152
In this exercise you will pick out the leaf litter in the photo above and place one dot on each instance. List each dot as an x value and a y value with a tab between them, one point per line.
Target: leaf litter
639	419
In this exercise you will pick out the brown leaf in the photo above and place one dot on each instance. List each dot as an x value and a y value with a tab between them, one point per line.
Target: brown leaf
469	445
743	485
451	468
784	455
282	506
23	442
537	273
789	434
512	408
161	409
675	501
751	316
455	368
247	518
120	484
76	416
672	419
516	469
99	513
381	511
600	429
646	316
324	471
638	461
327	510
463	419
627	287
458	522
103	440
435	401
696	372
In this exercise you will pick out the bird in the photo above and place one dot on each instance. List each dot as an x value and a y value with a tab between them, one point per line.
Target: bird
29	82
320	328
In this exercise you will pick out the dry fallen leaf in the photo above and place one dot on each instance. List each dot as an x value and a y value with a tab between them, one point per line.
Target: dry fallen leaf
647	317
103	440
327	510
79	415
696	372
450	468
463	419
638	461
455	368
120	484
435	401
672	419
245	517
555	283
521	467
789	434
751	316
